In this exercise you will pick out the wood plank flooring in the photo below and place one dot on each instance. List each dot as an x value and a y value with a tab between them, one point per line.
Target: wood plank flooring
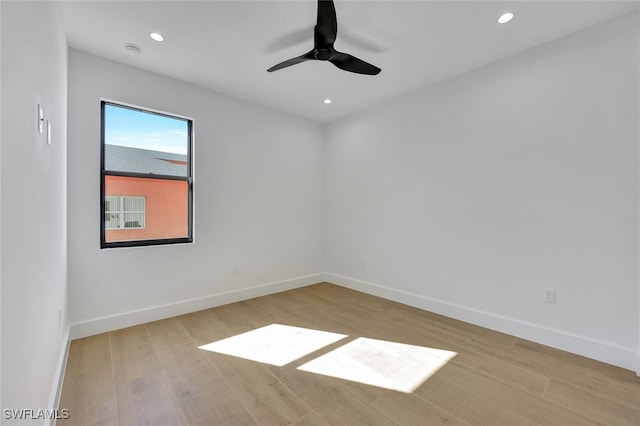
155	374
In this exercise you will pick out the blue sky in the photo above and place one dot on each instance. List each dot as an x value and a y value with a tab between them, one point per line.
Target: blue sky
137	129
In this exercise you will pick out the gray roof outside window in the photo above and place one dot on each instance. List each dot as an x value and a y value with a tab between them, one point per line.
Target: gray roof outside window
135	160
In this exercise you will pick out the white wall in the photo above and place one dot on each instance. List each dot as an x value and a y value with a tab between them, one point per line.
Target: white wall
258	203
471	197
0	209
33	194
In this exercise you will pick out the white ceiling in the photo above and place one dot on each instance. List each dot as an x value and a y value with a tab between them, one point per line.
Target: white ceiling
228	45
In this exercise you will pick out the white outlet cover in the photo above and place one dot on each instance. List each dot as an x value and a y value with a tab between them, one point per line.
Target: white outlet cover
550	296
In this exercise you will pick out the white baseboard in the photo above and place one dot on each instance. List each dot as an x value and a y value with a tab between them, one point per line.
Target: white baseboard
128	319
602	351
58	378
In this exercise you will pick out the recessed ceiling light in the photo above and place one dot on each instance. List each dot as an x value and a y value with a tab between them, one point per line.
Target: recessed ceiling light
505	17
156	36
327	101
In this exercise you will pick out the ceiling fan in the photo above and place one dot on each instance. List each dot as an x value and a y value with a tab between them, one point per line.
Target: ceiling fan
324	35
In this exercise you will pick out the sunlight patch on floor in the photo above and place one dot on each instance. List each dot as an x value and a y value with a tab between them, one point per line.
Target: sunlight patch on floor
396	366
274	344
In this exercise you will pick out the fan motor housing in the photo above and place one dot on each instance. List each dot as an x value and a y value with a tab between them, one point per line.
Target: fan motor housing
323	54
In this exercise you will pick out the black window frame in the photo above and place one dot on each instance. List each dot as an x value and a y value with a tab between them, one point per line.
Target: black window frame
103	173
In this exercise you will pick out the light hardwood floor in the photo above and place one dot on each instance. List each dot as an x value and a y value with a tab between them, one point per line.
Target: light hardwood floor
155	374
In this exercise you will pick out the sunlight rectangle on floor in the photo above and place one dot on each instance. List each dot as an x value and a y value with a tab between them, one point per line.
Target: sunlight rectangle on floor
390	365
274	344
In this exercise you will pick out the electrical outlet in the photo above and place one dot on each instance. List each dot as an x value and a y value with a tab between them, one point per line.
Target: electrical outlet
363	262
550	296
236	269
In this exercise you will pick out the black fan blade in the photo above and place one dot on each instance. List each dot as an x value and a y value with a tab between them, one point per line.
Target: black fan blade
350	63
327	27
306	57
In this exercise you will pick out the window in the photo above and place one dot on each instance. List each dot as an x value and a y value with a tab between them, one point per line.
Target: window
123	212
146	181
